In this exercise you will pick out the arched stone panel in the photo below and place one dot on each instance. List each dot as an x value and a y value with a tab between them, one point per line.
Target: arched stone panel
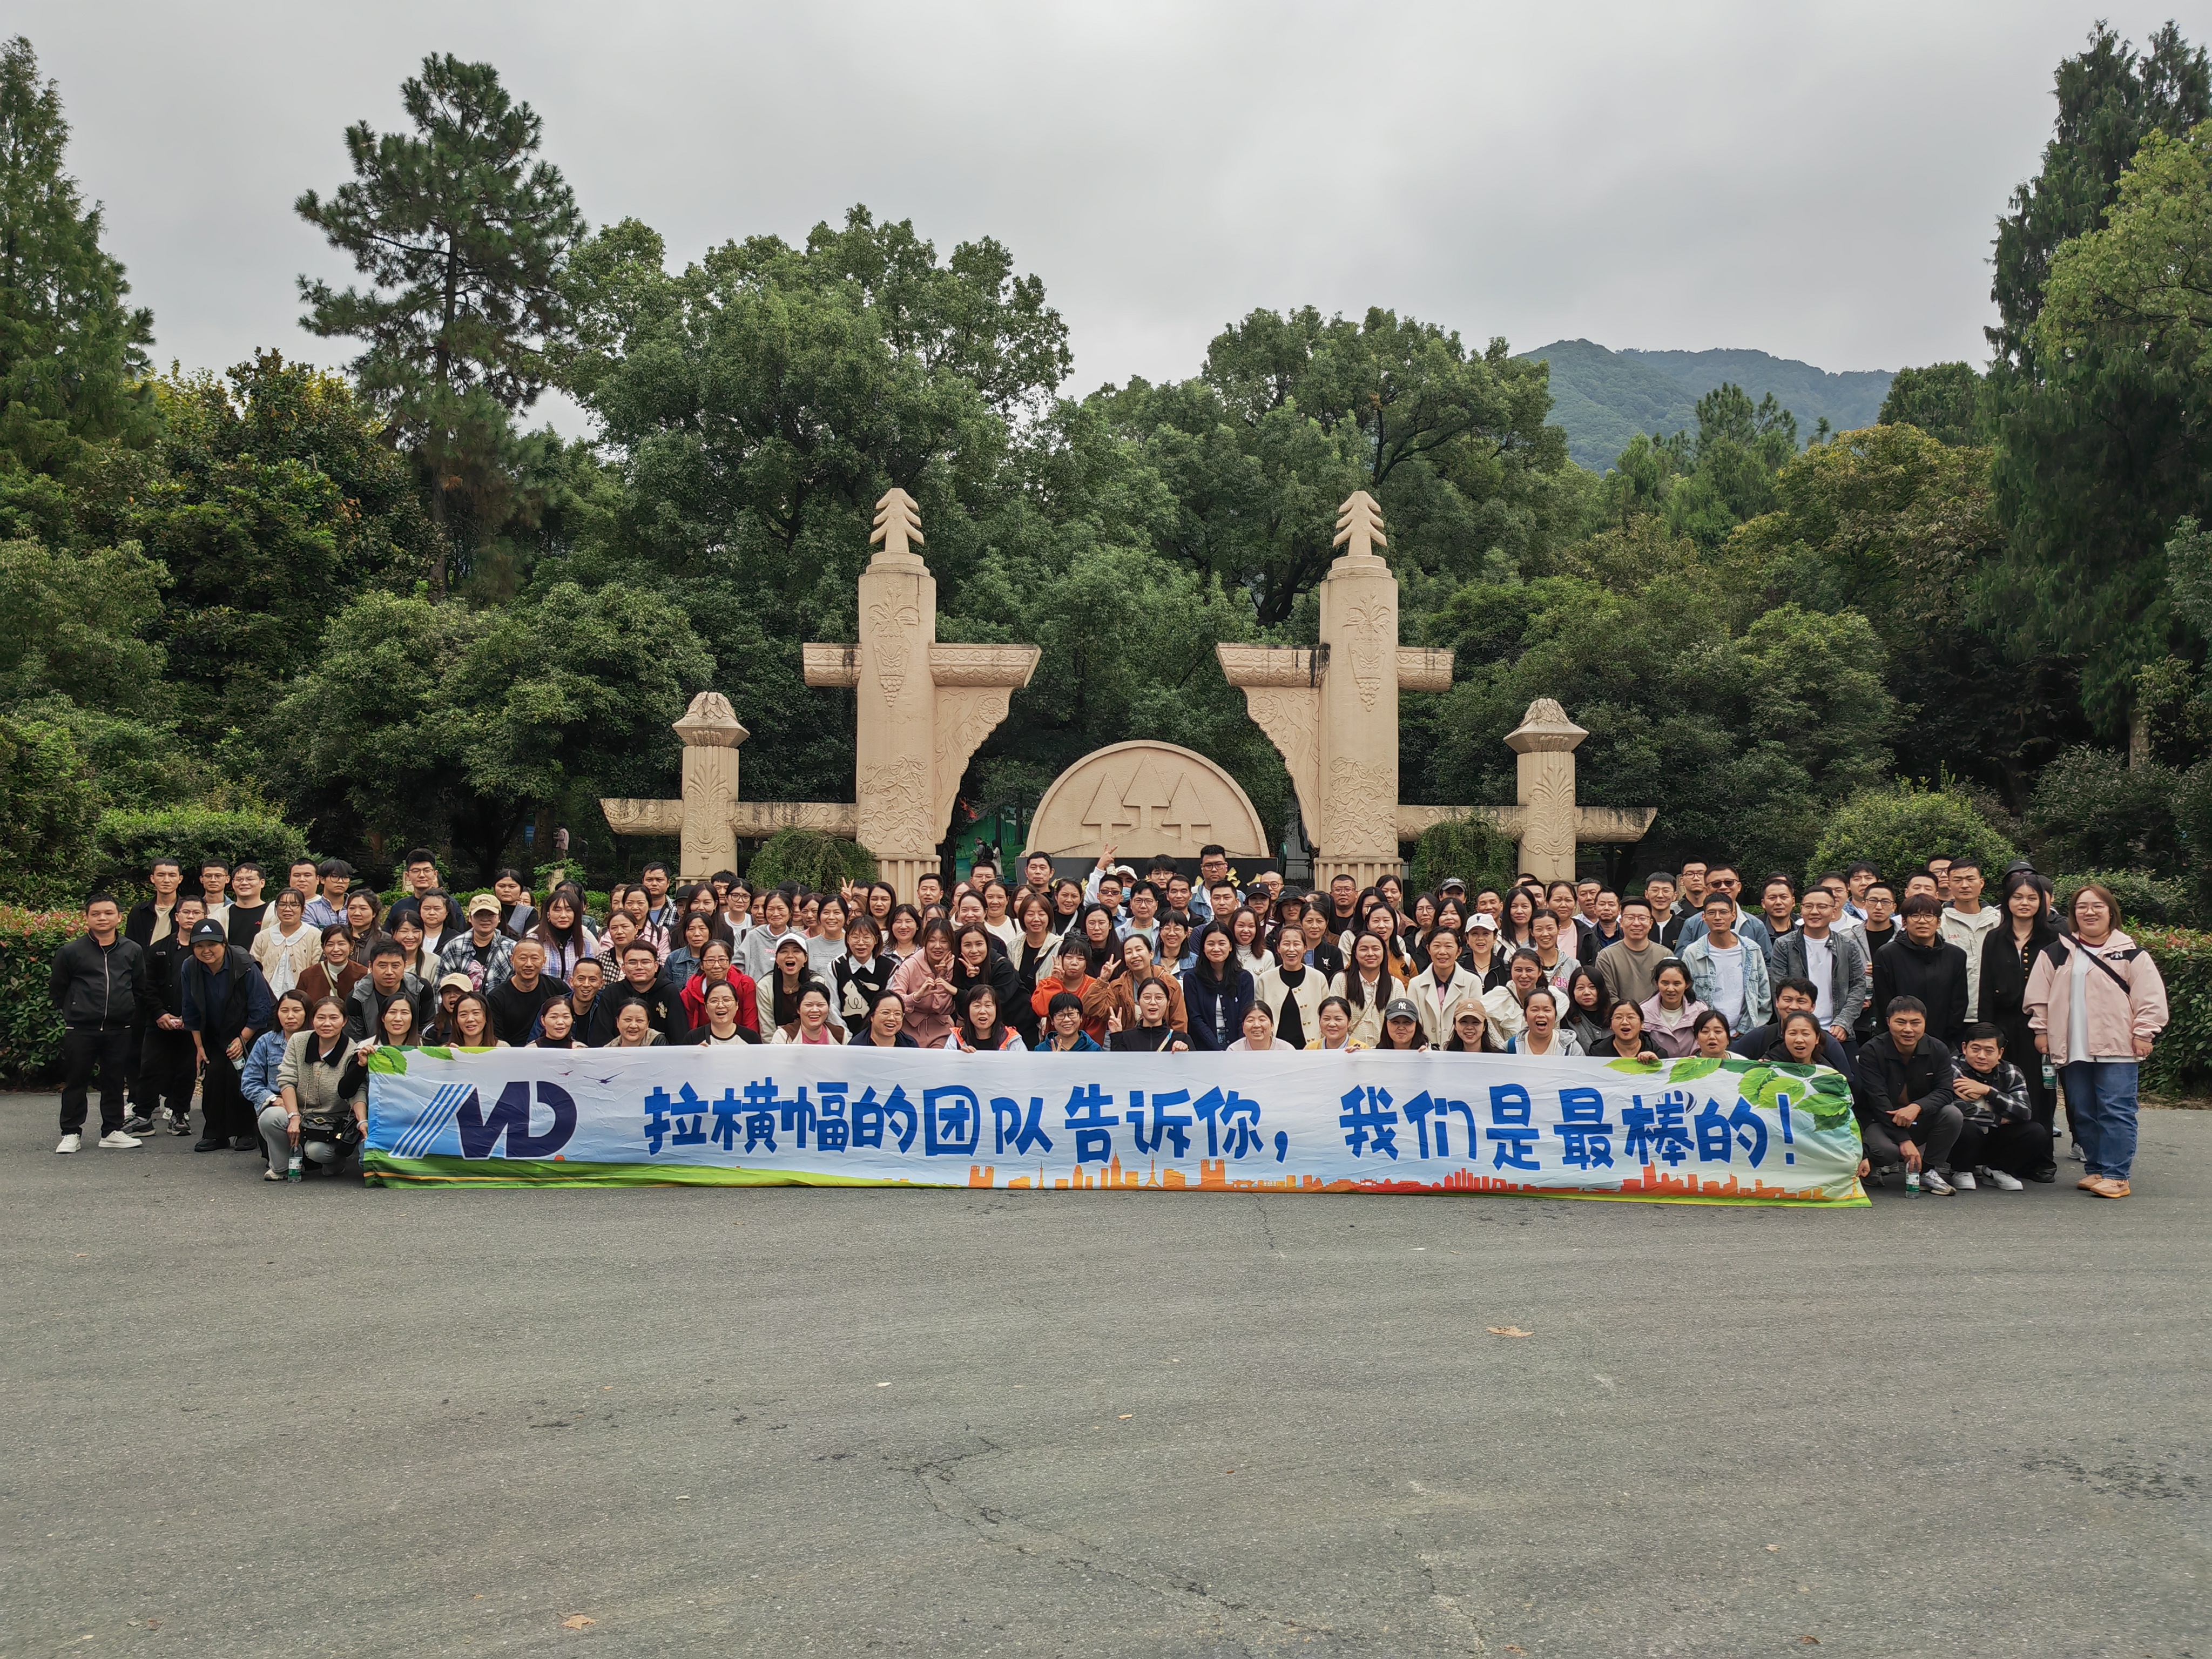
1145	798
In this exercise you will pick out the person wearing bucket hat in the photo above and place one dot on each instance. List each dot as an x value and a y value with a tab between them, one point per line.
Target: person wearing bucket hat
484	953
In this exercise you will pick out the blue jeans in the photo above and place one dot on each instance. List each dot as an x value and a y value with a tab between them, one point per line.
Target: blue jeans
2100	1103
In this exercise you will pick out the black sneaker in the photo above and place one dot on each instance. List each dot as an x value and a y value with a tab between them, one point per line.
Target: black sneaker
137	1124
180	1123
244	1144
211	1143
2044	1176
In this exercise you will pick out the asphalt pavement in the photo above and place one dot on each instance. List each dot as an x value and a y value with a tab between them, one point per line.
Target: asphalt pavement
254	1419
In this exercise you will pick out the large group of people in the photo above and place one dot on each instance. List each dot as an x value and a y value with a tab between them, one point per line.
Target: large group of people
1959	1022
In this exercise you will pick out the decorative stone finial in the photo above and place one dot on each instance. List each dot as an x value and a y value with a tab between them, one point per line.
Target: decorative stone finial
898	521
1359	527
1545	730
710	723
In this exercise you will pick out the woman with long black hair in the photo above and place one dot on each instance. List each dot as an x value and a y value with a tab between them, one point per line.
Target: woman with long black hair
2009	951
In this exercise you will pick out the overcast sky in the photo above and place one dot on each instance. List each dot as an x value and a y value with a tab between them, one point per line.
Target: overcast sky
1819	182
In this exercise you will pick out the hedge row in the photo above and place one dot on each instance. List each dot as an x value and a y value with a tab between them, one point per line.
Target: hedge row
2182	1062
30	1028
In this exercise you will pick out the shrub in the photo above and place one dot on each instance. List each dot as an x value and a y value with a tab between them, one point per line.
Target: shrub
1898	827
815	861
129	843
2145	900
1473	848
30	1027
47	804
2183	1058
2092	811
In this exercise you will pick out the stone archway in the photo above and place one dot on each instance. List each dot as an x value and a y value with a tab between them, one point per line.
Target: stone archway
1147	798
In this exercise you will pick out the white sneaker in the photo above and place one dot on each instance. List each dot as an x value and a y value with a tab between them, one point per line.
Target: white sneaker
115	1140
71	1143
2003	1182
1932	1183
1964	1180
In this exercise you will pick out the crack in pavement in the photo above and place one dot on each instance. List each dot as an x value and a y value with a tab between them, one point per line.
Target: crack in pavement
1016	1536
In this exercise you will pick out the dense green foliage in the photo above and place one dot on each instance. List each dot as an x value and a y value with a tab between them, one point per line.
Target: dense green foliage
1899	827
819	863
1472	848
129	843
1803	616
30	1026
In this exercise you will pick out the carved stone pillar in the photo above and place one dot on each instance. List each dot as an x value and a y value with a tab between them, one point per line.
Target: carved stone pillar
1546	740
711	735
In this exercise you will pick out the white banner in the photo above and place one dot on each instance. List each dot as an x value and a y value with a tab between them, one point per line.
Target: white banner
1696	1130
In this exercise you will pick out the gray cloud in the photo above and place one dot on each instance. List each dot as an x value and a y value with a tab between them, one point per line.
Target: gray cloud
1818	183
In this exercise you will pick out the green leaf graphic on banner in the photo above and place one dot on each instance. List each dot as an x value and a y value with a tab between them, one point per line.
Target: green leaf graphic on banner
1752	1081
1634	1067
1736	1063
1831	1082
388	1060
439	1053
1688	1071
1793	1067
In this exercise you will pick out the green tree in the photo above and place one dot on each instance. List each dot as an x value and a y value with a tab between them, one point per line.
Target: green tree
463	231
1743	741
426	720
269	499
1944	400
1292	413
1901	527
71	351
1898	827
75	625
1738	448
757	404
47	806
2110	100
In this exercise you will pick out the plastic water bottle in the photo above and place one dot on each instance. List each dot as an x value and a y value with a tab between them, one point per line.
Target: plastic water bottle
2050	1073
292	1169
1913	1183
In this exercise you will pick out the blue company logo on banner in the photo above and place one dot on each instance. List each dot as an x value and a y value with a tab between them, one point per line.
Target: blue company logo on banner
457	1108
1694	1130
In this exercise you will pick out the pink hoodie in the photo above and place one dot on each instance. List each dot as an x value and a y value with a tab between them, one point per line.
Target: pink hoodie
2117	1017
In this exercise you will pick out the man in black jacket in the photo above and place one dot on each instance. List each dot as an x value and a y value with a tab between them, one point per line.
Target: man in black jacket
149	923
642	982
1908	1114
387	982
225	1004
1922	966
99	984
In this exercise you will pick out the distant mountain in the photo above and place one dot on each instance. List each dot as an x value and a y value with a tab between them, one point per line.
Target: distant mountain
1603	398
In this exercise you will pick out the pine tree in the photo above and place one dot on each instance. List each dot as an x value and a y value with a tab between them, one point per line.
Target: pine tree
72	353
464	234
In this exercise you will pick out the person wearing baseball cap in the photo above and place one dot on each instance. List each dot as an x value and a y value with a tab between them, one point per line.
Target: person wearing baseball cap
225	1004
1402	1026
1484	959
484	953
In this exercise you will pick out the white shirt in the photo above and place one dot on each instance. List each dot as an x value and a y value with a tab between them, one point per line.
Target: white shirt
1728	970
1820	968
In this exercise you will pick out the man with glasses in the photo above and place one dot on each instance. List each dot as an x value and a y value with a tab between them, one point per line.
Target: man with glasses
1722	878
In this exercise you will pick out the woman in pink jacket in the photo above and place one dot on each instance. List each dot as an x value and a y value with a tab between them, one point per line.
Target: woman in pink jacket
2096	1003
923	982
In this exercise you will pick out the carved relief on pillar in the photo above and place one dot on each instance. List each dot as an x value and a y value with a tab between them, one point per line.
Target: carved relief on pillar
894	630
1291	721
1370	631
710	794
1548	815
1363	809
966	715
893	807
